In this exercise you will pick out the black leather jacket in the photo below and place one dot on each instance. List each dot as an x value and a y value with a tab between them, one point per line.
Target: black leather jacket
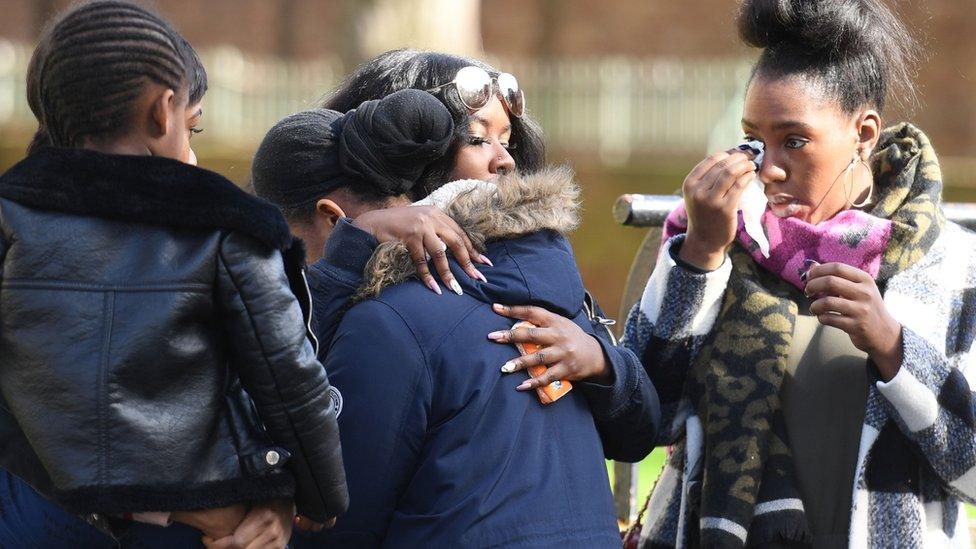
138	296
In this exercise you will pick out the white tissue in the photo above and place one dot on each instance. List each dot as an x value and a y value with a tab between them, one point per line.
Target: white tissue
753	202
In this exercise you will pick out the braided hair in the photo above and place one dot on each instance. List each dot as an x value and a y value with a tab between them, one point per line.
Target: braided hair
94	62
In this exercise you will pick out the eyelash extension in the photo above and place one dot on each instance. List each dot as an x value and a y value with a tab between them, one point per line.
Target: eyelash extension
478	141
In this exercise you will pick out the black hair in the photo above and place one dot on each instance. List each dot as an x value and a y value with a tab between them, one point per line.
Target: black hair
377	152
856	51
305	212
422	70
94	61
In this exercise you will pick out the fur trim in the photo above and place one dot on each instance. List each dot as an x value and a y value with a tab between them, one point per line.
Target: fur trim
516	205
141	189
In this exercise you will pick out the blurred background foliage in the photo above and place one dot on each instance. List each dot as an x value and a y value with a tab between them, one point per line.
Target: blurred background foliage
632	93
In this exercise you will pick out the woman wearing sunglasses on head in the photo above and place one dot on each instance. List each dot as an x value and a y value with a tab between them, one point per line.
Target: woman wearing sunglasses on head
443	449
816	384
494	137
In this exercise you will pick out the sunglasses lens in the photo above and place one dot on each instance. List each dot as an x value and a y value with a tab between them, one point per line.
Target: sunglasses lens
514	98
473	86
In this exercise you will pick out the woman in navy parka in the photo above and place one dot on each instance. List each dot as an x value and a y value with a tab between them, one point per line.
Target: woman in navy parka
441	449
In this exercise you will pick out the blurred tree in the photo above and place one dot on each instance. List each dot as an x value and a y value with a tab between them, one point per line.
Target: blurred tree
43	10
550	19
370	27
286	25
349	31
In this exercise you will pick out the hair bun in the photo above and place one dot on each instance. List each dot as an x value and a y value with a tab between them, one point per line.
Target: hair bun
859	50
296	162
388	143
832	27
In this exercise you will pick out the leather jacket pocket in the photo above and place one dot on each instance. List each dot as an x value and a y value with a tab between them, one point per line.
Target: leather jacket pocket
257	452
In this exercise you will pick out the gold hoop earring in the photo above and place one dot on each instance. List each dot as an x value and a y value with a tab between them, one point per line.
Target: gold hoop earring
855	162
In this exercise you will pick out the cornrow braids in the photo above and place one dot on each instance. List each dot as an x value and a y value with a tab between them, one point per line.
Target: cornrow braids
95	61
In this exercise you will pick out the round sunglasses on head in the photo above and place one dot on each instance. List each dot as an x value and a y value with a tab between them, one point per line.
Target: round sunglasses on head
475	88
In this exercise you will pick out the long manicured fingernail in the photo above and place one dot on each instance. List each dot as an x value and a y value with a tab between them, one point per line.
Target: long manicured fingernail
485	260
433	286
456	287
498	307
509	367
480	276
803	276
809	263
524	386
495	336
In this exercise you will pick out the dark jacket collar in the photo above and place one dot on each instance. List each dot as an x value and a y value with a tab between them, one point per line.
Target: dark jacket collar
141	189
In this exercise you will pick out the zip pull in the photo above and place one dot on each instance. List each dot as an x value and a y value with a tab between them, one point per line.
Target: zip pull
589	304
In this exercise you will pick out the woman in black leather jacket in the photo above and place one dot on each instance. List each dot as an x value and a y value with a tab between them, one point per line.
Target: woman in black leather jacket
141	293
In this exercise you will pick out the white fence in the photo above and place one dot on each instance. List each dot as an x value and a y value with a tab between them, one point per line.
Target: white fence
616	107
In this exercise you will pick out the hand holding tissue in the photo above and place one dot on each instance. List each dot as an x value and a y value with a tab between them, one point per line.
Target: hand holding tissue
753	201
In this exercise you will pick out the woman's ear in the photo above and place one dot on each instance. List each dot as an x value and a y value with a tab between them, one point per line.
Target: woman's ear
328	211
160	113
868	132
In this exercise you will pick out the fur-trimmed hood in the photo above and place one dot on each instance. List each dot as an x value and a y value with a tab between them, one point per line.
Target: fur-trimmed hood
514	206
141	189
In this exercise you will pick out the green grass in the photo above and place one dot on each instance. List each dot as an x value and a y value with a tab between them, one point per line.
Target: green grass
651	467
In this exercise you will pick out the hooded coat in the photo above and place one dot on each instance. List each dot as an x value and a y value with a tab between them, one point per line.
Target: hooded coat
440	449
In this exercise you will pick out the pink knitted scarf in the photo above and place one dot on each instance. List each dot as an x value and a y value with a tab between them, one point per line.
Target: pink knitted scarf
852	237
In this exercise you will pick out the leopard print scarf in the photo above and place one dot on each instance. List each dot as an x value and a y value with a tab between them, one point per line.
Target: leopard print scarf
743	491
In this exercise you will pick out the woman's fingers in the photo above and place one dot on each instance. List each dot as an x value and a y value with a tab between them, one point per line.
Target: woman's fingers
831	305
724	174
536	315
734	192
705	165
437	250
418	255
268	540
553	373
228	542
539	336
542	357
841	270
832	285
427	232
460	245
843	323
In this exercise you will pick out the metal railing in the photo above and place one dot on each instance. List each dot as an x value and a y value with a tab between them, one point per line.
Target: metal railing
614	107
650	210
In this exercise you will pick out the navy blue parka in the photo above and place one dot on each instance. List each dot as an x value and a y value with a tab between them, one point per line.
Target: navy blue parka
440	449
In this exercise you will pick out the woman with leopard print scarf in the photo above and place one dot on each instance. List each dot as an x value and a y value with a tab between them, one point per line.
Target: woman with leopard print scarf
815	392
